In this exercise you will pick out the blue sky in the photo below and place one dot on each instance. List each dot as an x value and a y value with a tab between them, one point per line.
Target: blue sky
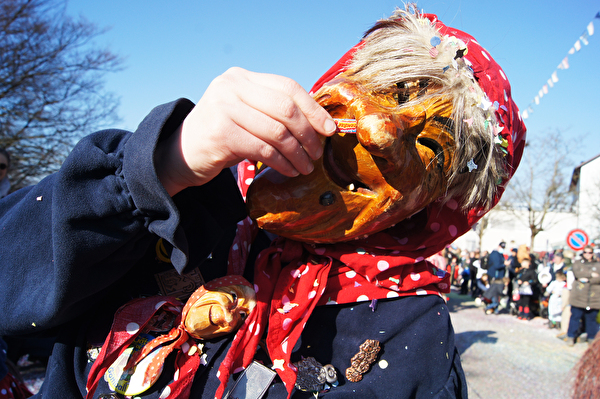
174	49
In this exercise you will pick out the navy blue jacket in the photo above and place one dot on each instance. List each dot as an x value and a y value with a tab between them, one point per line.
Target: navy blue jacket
80	244
496	267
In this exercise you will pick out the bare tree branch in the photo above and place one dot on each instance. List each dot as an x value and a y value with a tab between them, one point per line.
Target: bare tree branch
539	187
51	85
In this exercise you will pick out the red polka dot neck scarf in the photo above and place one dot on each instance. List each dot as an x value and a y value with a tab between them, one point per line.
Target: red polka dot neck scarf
292	278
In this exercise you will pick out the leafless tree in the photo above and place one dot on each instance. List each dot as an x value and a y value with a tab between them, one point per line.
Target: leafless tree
539	187
481	226
51	85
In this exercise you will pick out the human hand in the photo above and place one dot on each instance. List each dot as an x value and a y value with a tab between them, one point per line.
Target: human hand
245	115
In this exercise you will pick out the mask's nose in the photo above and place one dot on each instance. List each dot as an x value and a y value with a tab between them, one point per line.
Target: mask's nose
221	317
382	127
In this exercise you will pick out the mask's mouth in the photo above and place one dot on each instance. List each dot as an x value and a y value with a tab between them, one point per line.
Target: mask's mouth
340	173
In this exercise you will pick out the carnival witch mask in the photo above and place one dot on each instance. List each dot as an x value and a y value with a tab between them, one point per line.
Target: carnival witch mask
423	127
219	311
398	161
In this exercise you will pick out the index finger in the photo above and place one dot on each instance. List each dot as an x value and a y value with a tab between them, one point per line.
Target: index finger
316	115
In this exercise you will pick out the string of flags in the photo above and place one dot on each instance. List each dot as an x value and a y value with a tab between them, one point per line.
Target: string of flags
564	64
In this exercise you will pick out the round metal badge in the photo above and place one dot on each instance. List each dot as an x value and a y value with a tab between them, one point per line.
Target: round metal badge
128	383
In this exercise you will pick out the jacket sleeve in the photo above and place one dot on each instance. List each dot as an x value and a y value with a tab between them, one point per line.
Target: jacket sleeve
76	232
588	270
495	263
595	279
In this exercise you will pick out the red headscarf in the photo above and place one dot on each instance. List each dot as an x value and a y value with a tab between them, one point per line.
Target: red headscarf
291	278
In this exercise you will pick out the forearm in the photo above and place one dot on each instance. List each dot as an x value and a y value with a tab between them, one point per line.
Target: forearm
587	274
78	231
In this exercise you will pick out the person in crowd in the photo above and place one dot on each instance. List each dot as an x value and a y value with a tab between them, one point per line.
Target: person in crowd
512	265
585	296
474	270
482	285
557	265
555	292
466	277
128	207
452	263
4	168
535	263
523	253
513	261
458	270
527	286
482	265
565	315
496	266
498	289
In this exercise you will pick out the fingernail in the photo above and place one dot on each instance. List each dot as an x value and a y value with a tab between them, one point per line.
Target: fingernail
318	153
329	126
310	168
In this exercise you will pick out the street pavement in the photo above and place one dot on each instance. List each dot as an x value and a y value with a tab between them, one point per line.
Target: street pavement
507	358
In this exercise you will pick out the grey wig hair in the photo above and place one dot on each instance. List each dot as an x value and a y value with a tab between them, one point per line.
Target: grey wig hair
397	50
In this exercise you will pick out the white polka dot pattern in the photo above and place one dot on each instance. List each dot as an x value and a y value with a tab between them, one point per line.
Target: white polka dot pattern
387	264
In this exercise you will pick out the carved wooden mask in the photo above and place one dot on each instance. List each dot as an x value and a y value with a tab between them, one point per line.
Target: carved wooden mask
220	311
397	163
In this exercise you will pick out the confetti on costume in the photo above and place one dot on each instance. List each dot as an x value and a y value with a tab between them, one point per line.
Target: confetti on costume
292	278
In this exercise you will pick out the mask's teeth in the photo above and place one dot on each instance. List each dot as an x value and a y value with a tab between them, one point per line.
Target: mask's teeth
351	187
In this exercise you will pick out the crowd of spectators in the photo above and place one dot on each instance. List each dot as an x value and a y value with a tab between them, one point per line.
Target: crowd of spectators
561	287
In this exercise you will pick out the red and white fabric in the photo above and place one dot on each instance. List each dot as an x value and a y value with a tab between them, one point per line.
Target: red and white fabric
291	278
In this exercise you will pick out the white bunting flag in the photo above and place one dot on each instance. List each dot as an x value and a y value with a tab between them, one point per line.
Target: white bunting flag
564	64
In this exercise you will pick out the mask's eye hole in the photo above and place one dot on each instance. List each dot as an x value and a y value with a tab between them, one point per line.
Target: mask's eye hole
423	85
406	91
243	315
401	95
434	146
234	296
